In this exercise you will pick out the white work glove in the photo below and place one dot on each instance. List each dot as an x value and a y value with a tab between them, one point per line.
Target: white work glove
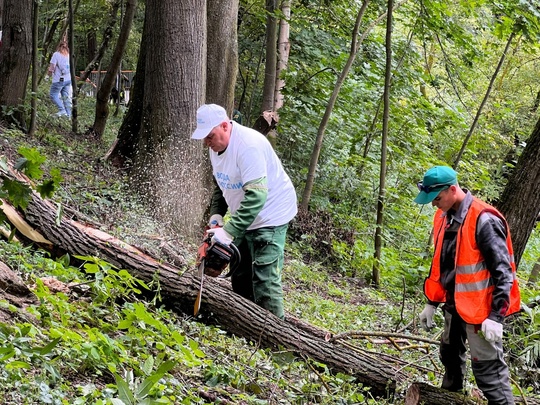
215	221
47	78
220	235
492	330
426	317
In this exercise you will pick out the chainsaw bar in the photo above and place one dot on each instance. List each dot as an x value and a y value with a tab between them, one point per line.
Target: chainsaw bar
200	273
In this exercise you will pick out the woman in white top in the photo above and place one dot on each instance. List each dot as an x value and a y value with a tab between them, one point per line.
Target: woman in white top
61	90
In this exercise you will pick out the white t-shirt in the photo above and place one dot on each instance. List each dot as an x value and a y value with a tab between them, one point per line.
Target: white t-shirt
61	69
248	157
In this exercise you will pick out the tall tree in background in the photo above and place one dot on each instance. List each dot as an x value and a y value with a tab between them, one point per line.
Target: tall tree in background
355	46
122	152
104	92
484	101
222	52
35	67
382	174
520	200
270	65
15	58
284	47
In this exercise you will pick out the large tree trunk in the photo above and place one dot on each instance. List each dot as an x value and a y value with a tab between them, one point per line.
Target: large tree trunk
104	92
169	167
222	52
15	58
520	200
178	290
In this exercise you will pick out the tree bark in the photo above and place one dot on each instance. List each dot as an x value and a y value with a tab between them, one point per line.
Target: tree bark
222	51
270	65
15	58
520	200
284	47
34	81
421	393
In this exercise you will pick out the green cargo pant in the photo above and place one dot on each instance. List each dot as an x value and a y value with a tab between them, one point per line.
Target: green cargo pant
258	277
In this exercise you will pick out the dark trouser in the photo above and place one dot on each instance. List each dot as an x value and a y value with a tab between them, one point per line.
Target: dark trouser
258	277
488	366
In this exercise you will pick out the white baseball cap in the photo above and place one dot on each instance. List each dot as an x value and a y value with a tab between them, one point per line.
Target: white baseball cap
208	117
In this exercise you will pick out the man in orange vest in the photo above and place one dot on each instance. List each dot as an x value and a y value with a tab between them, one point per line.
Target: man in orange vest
473	275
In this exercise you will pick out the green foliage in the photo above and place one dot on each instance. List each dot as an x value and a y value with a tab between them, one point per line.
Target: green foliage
132	390
17	192
109	282
30	163
104	344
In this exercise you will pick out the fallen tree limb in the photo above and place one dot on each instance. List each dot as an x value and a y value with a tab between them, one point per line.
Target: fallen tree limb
178	289
422	393
220	306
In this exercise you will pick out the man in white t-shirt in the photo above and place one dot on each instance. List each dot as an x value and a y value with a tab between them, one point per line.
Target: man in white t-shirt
252	184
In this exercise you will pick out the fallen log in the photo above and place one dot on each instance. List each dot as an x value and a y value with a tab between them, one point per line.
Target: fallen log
178	290
422	393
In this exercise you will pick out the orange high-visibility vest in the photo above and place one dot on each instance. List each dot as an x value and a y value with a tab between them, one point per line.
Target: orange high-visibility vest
474	287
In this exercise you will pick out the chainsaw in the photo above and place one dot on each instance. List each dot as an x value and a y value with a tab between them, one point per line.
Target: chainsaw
212	259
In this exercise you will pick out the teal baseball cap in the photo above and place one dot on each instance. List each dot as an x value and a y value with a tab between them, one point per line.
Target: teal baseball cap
435	180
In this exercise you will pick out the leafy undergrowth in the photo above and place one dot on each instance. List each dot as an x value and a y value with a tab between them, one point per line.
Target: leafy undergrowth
97	343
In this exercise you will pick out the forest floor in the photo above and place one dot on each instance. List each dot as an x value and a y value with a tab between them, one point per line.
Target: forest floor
213	367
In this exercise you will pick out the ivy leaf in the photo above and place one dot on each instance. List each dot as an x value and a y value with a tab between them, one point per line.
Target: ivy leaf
46	189
30	163
19	193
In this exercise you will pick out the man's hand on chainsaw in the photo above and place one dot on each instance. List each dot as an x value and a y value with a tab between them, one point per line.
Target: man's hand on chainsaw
215	221
220	235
